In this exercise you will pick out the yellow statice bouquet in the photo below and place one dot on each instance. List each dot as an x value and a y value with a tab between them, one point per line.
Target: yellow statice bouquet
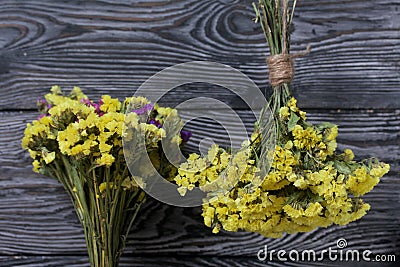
308	184
300	184
79	142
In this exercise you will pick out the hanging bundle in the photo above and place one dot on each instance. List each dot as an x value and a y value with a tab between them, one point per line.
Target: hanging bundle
300	185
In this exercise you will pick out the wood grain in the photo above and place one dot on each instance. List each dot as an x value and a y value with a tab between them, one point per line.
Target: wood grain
36	216
108	47
351	78
79	261
369	133
37	219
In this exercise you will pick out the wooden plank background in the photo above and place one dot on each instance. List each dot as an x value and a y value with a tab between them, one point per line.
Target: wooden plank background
351	78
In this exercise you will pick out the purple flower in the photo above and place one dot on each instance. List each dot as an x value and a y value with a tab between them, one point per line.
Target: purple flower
96	107
156	123
89	103
85	101
185	135
42	101
41	116
43	107
144	109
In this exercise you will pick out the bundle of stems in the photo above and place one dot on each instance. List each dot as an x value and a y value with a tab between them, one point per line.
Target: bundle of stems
106	212
275	18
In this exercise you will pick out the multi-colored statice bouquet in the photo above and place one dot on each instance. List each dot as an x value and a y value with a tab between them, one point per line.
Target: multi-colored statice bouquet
300	185
79	142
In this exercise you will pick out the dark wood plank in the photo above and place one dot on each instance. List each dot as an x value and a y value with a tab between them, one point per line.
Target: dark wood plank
173	261
109	47
369	133
36	216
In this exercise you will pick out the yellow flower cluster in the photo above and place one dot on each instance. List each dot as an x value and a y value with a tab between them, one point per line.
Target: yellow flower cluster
73	127
211	173
307	186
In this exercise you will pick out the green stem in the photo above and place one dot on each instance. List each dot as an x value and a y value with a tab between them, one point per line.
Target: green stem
270	15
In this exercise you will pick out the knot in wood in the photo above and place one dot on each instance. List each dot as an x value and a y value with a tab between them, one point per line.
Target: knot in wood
281	69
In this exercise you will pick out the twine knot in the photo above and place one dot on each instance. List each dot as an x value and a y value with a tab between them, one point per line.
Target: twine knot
281	67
